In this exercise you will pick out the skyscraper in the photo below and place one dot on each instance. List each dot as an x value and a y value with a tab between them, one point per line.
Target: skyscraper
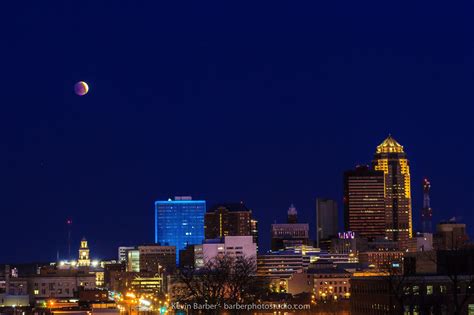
392	160
426	212
364	202
326	219
231	219
179	222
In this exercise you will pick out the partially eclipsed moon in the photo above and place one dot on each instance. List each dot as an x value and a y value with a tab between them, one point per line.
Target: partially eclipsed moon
81	88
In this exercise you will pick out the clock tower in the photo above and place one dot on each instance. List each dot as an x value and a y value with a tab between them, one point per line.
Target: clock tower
84	260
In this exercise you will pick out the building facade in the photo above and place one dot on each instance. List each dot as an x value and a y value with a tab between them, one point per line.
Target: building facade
229	246
324	284
419	294
382	260
326	219
392	160
290	234
179	222
60	283
364	202
450	235
156	259
233	219
84	254
123	253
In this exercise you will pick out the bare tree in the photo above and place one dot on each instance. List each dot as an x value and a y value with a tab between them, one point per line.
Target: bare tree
223	279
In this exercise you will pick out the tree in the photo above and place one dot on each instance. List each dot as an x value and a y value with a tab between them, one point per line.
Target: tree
223	279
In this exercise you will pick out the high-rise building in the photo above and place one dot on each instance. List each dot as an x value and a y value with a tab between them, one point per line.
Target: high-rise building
179	222
426	213
232	219
290	234
123	253
156	258
326	219
392	160
133	260
364	202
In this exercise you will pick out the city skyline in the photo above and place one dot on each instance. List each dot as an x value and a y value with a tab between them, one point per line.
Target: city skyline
268	105
264	247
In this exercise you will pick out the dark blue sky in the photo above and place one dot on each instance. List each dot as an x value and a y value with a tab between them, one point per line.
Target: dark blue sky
265	102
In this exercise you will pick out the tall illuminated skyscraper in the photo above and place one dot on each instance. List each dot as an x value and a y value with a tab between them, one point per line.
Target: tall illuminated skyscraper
364	202
179	222
392	160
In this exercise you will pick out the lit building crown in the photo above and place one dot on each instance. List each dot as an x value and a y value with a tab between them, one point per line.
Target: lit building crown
390	145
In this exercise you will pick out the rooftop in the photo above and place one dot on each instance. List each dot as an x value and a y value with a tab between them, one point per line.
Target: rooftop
390	145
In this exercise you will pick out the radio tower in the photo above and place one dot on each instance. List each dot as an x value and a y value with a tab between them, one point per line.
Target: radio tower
69	224
427	212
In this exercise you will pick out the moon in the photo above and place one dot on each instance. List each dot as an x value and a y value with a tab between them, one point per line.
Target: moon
81	88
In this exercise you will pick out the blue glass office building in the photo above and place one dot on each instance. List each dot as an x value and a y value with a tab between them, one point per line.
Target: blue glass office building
179	222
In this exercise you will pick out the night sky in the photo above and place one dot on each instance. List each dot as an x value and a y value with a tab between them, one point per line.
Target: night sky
265	102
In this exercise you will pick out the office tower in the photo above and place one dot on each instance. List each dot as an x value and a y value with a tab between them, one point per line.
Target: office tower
84	258
179	222
426	213
392	160
156	258
326	219
133	260
364	202
123	253
232	219
290	234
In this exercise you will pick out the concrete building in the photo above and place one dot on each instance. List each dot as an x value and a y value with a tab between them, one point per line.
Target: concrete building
123	253
156	258
418	294
231	246
146	284
326	219
450	235
84	254
323	284
53	283
348	243
133	260
382	260
231	219
290	234
420	242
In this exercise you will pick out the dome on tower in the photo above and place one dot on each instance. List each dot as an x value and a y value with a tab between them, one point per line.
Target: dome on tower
390	145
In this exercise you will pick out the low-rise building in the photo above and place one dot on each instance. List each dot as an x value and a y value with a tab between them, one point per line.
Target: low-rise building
381	259
53	283
324	284
231	246
418	294
420	242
